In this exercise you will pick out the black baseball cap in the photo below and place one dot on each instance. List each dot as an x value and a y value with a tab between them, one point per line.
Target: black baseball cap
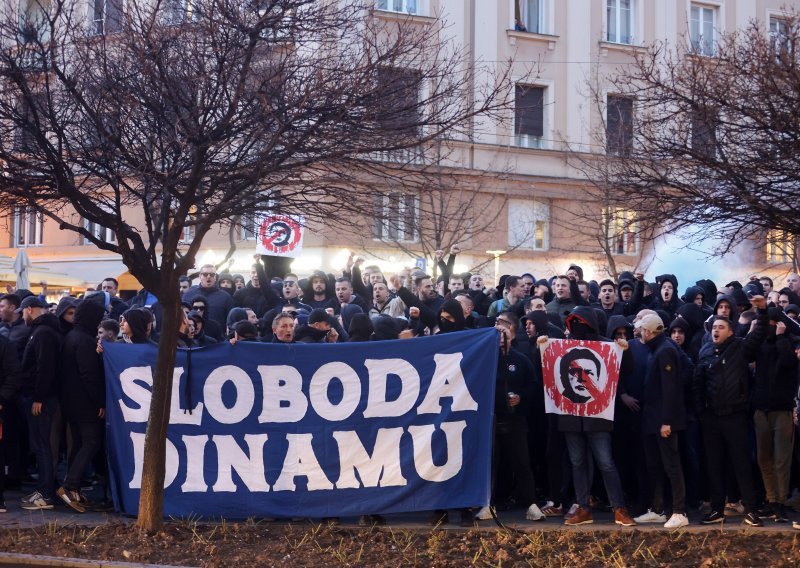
30	302
318	315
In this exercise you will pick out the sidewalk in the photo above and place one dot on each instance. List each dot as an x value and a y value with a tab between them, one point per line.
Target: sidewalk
61	516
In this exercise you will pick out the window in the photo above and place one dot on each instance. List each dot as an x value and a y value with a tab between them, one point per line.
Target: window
100	232
704	138
529	16
619	125
780	35
529	116
619	21
24	134
702	29
395	218
34	24
248	228
781	246
621	228
107	16
528	224
399	106
27	227
405	6
179	11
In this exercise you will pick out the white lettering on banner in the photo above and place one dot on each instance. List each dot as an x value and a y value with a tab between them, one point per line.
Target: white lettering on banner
282	383
357	468
177	415
284	401
447	381
195	456
301	462
250	468
423	450
136	392
379	372
385	459
245	394
172	462
318	391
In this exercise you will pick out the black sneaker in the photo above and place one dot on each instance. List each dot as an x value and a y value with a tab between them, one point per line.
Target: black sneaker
438	517
713	517
466	518
3	508
780	514
753	520
767	511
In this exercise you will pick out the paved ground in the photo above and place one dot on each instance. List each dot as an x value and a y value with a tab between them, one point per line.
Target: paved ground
62	515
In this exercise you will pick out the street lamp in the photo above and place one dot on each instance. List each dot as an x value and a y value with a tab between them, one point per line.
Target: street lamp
496	254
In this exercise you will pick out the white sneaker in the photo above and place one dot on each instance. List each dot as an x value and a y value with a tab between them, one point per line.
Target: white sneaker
651	517
676	521
534	513
734	508
485	513
796	525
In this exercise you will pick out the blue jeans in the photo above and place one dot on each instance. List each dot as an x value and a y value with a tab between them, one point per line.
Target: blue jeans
600	445
39	428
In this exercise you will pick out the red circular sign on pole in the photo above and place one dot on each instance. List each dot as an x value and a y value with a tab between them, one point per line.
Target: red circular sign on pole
280	234
600	390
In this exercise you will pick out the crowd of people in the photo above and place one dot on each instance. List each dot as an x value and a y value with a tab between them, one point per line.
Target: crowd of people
705	413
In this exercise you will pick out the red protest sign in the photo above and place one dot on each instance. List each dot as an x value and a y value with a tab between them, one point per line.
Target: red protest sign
280	235
580	377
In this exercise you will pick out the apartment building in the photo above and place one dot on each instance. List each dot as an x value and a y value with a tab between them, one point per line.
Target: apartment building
522	172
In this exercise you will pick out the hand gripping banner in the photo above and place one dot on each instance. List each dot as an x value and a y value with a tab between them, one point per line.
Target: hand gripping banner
310	430
580	377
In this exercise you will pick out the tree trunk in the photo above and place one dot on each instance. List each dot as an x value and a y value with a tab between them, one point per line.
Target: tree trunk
151	497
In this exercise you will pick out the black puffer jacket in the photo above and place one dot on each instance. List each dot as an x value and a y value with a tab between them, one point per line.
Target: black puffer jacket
721	382
42	357
83	390
776	372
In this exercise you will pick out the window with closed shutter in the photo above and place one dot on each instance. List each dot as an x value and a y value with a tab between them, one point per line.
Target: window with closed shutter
529	115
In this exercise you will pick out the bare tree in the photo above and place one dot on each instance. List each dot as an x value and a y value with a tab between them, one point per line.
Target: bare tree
715	141
433	208
174	117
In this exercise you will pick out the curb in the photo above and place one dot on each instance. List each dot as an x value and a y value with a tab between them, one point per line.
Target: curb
11	559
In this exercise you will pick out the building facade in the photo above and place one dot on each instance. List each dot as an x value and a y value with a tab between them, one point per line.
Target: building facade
524	194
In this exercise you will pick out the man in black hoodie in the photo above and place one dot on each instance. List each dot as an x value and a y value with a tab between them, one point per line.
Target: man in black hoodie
721	389
773	397
83	398
586	433
40	367
9	385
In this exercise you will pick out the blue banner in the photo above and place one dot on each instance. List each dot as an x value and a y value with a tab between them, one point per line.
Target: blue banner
310	430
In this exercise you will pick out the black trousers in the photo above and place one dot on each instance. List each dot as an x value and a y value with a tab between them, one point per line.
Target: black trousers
87	438
511	449
664	458
723	434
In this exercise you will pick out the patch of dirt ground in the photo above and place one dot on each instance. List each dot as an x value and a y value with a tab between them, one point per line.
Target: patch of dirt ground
264	544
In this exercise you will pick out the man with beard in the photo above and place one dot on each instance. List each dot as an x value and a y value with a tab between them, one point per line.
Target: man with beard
317	293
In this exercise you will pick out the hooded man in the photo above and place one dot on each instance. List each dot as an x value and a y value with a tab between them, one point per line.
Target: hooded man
587	433
668	299
451	317
82	398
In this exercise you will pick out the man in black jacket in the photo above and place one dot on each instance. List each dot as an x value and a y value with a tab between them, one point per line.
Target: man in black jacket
40	394
9	385
773	397
82	398
721	391
663	417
